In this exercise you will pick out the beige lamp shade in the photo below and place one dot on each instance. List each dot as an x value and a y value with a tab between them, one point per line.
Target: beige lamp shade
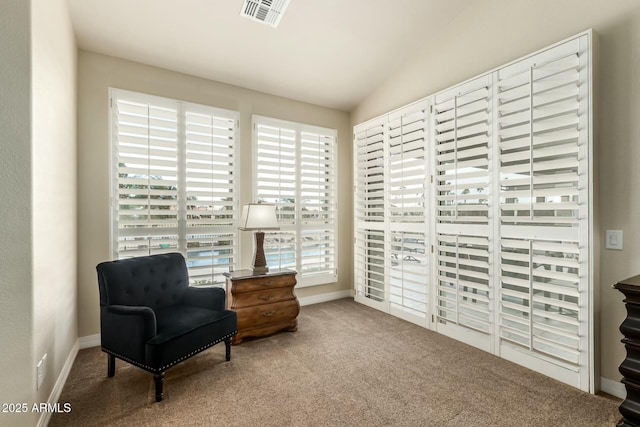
258	216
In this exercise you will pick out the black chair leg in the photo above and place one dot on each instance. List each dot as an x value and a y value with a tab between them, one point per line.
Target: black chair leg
159	380
227	345
111	365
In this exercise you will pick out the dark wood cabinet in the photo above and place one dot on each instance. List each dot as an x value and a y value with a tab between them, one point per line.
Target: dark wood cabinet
265	303
630	367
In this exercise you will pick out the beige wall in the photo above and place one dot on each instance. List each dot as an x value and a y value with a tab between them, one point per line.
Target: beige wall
96	73
54	213
494	32
15	192
38	227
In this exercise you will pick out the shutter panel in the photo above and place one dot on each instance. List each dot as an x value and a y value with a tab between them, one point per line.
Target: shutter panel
296	171
369	270
539	132
544	189
175	188
276	170
541	297
369	144
211	207
369	179
145	141
462	128
406	197
317	206
462	133
463	283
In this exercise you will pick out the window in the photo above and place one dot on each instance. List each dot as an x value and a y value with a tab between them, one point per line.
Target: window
295	168
174	183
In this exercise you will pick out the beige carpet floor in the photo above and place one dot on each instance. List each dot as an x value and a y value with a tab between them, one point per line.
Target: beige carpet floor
347	365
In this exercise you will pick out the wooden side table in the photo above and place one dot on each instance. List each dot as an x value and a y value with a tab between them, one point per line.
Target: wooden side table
265	303
630	367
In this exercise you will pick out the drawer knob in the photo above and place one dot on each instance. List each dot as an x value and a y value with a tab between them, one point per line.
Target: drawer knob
266	283
265	297
268	313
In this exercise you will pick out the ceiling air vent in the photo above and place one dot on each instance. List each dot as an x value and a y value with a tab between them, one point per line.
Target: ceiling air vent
266	11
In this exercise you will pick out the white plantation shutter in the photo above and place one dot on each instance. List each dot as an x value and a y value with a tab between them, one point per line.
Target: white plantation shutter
145	158
369	267
462	142
543	138
406	195
462	128
369	172
540	300
317	207
174	186
211	187
510	226
296	170
539	130
369	194
464	289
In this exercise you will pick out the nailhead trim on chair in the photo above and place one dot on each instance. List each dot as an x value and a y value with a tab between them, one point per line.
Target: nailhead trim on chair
155	370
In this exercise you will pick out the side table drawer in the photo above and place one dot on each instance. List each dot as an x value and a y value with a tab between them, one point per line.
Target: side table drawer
271	295
262	283
267	313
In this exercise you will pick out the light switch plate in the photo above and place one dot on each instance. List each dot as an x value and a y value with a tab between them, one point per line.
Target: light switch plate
613	240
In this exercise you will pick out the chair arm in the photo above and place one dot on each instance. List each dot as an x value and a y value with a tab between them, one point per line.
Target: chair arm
210	298
125	329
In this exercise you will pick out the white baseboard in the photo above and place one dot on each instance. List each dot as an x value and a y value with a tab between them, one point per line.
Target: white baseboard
329	296
45	417
614	388
89	341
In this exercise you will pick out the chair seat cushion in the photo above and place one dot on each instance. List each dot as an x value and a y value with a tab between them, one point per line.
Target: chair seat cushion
183	330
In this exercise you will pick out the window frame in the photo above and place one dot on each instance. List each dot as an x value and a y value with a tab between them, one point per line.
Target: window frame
182	108
298	228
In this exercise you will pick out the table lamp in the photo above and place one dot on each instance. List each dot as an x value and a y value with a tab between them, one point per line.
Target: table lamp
258	217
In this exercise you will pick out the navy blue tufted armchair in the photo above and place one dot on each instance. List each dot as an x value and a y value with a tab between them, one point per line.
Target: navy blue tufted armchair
151	317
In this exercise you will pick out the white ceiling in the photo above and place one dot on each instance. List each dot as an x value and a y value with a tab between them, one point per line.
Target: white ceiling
326	52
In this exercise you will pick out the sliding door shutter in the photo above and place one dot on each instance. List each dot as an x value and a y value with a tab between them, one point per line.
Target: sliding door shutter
544	211
462	139
406	196
369	170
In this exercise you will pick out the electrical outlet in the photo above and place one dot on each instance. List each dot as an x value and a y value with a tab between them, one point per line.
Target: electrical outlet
41	370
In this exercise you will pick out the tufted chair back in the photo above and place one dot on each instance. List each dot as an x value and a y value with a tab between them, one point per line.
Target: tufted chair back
155	281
